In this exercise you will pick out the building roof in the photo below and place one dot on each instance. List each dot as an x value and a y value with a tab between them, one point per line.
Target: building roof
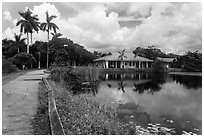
166	59
130	57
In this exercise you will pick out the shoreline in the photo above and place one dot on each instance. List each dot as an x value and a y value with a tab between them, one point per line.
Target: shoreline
186	73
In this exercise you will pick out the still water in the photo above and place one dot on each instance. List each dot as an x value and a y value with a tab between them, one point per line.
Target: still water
173	101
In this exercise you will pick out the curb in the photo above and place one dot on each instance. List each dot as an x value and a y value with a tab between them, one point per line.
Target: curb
55	122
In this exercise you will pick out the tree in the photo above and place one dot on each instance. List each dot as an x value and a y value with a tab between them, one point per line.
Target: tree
35	25
23	59
121	57
48	26
190	61
28	23
18	41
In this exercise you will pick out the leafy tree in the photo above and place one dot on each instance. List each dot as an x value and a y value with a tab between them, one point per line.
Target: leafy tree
48	26
39	50
150	52
190	61
23	59
6	45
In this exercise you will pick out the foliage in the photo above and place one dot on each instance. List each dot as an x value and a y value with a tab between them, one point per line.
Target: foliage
18	41
122	56
48	25
158	66
74	79
23	59
35	49
10	47
191	62
63	50
151	52
28	23
7	66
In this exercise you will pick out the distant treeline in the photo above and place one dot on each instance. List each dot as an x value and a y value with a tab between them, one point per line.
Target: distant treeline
63	51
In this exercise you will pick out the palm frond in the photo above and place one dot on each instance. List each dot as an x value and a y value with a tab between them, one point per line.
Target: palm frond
51	18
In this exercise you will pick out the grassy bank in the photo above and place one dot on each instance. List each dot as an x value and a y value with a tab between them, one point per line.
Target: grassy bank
40	121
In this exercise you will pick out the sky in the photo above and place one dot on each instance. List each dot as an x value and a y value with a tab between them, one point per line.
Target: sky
107	26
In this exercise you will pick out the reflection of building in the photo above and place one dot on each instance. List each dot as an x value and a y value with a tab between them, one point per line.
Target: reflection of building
130	61
135	76
167	61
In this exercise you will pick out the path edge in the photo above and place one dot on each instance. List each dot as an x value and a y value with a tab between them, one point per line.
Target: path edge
55	122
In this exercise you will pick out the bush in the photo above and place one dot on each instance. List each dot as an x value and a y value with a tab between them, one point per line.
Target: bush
158	66
73	79
8	67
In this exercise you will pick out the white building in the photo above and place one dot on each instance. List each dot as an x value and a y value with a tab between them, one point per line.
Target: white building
130	61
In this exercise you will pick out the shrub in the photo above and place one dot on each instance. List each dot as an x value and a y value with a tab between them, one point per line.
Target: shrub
8	67
73	79
158	66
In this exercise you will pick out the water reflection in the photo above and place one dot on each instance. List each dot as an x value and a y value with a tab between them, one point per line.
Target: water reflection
170	100
188	81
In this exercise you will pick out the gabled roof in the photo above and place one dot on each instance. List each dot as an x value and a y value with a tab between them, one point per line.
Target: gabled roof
166	59
130	57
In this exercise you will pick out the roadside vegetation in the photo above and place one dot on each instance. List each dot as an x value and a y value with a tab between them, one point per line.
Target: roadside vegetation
40	122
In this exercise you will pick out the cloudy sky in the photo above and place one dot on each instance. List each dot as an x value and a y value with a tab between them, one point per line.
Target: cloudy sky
173	27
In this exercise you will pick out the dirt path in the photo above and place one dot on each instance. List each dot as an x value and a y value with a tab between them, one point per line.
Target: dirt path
19	103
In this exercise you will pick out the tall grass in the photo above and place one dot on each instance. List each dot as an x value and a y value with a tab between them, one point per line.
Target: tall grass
76	79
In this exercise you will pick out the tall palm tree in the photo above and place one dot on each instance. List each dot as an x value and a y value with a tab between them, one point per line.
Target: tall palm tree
28	23
18	41
121	57
35	26
48	26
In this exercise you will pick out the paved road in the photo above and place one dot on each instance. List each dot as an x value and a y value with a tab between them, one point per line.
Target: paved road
19	103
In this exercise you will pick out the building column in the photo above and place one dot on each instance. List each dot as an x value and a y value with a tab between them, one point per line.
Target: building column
106	64
139	65
146	64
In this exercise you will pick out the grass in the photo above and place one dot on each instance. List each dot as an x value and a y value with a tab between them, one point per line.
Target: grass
40	121
81	115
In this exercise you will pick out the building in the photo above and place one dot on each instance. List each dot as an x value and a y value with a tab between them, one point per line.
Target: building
130	61
167	61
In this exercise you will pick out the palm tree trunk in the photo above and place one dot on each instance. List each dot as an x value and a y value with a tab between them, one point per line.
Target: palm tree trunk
27	43
31	38
39	57
31	41
18	49
47	48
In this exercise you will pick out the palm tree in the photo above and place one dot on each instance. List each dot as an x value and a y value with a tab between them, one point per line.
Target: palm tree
48	26
18	41
35	25
28	23
121	57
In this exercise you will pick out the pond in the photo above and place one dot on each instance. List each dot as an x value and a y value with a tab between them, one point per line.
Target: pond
170	100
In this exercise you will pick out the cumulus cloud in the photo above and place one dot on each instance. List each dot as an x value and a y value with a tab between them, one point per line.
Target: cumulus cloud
7	15
172	27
